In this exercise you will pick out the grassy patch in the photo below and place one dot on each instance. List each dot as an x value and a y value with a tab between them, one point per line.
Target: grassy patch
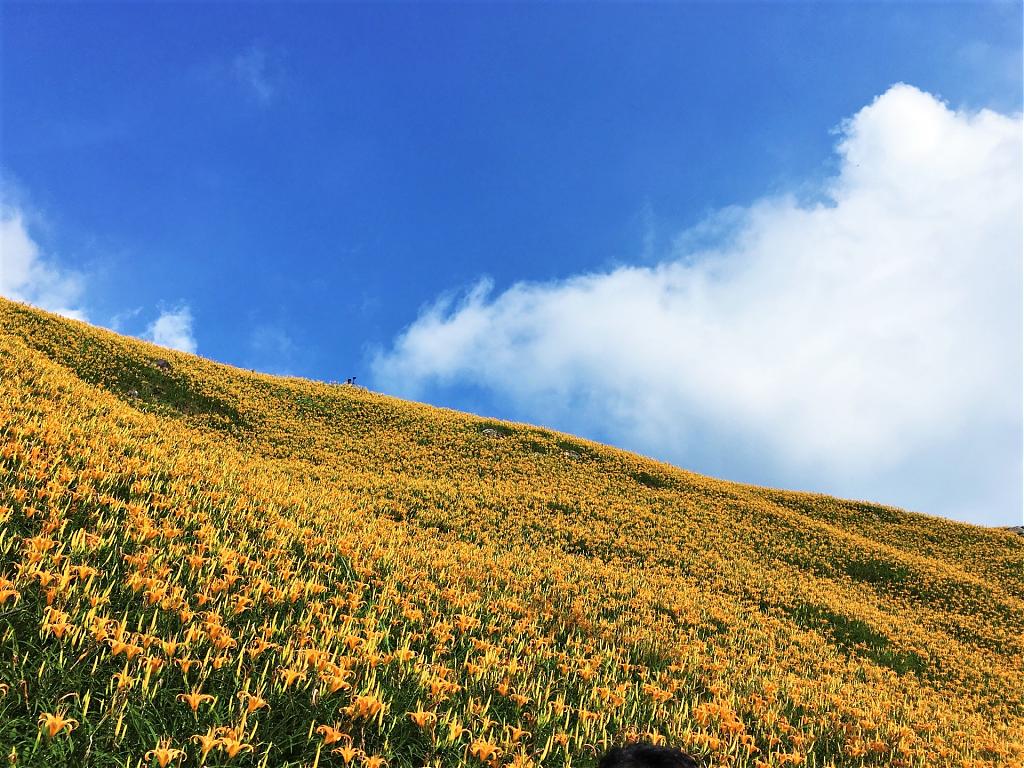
132	377
573	448
565	509
879	513
651	481
879	572
487	427
150	387
859	638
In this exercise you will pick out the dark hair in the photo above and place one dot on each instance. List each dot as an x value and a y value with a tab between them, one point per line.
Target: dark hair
641	755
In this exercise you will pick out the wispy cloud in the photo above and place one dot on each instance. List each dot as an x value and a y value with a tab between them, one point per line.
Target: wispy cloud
120	320
26	274
271	349
868	345
993	70
173	328
251	69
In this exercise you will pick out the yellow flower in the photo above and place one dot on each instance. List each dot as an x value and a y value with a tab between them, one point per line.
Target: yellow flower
123	680
290	676
456	730
332	734
516	733
521	760
365	706
195	698
252	702
55	723
130	650
232	744
347	753
164	753
484	750
206	741
422	718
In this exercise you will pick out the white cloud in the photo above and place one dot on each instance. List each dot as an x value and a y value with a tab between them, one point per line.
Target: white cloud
29	276
272	350
992	70
271	340
869	345
250	68
26	275
173	328
120	320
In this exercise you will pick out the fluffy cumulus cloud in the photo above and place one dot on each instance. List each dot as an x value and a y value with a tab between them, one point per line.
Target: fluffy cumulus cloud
868	344
28	275
25	275
173	328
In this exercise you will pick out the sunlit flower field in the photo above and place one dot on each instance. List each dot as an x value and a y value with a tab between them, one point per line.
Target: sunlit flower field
201	565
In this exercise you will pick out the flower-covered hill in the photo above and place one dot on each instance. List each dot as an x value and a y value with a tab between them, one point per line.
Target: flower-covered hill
205	565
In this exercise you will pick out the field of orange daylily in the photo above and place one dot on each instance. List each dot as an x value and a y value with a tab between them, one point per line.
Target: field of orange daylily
201	565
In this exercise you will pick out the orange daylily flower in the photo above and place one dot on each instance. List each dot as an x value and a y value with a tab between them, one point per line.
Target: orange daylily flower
422	718
456	730
332	734
206	741
521	760
290	676
232	744
484	750
347	753
130	650
516	733
164	753
57	722
365	706
124	680
195	699
252	702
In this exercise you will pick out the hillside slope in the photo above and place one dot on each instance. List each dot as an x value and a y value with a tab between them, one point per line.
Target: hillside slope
267	571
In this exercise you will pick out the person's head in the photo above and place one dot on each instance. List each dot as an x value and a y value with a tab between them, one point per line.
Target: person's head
641	755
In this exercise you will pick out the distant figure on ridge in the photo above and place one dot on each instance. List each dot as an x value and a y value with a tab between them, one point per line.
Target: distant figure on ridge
647	756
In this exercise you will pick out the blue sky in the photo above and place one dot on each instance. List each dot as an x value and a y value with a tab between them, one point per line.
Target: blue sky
294	188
